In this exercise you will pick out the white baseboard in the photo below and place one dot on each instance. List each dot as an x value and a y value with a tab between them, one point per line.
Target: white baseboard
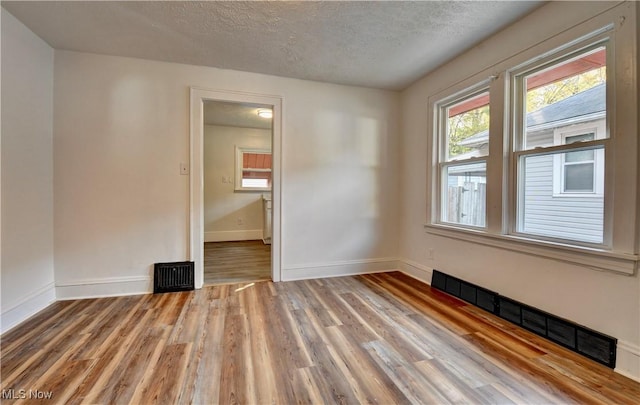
338	269
416	270
29	306
104	287
230	236
628	360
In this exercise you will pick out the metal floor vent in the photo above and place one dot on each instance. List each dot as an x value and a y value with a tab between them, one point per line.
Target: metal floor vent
172	277
589	343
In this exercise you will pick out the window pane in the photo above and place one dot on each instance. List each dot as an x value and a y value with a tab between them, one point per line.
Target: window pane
468	128
253	169
579	156
464	194
569	93
579	138
258	183
256	160
579	178
577	217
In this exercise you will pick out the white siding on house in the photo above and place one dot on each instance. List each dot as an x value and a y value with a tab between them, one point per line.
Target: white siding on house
547	212
577	218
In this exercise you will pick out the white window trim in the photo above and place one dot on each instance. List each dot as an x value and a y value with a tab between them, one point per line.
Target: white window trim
441	146
593	258
620	253
518	133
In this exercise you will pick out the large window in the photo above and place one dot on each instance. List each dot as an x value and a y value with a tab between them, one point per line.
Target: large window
540	153
560	115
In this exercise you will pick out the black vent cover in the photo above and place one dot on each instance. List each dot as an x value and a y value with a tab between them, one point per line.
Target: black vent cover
172	277
589	343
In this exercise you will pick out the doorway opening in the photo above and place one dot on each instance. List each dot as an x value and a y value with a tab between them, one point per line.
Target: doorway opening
243	232
237	175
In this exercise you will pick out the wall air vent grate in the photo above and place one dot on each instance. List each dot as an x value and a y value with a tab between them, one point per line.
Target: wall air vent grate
173	277
589	343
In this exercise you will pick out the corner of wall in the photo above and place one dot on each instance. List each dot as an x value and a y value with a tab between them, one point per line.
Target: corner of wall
29	306
416	270
27	182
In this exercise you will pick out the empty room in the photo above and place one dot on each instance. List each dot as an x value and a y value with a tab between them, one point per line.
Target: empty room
320	202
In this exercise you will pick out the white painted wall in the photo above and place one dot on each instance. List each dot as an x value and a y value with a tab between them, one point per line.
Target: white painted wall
223	206
27	173
122	129
606	302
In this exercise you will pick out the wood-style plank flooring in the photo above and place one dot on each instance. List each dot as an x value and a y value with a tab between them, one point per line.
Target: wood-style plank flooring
381	338
234	262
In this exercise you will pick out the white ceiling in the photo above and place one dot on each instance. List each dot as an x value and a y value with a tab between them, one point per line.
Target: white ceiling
235	115
384	45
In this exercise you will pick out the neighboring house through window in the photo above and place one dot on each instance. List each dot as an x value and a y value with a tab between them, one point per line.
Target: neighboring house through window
580	173
557	191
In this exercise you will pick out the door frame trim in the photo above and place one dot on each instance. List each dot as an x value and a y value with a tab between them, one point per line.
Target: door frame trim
196	187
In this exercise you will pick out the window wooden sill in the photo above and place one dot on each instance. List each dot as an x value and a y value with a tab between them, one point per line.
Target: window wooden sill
596	259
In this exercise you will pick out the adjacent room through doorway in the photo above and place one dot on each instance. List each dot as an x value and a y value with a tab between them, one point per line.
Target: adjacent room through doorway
237	178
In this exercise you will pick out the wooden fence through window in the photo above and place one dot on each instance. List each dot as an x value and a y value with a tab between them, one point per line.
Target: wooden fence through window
467	204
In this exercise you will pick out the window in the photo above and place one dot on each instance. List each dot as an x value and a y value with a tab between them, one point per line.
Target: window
563	102
523	152
253	169
578	168
581	173
464	125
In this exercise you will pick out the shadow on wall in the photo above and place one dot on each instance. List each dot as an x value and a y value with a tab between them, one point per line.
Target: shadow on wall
343	188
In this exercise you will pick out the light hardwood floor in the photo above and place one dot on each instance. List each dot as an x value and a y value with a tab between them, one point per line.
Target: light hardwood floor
233	262
382	338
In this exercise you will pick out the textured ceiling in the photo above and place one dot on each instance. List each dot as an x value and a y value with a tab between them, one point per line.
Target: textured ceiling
375	44
235	115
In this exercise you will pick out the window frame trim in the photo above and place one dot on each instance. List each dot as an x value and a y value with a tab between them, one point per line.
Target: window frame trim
440	144
603	37
239	169
591	257
618	24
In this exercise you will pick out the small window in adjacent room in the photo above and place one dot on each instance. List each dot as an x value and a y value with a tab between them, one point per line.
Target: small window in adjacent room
253	169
